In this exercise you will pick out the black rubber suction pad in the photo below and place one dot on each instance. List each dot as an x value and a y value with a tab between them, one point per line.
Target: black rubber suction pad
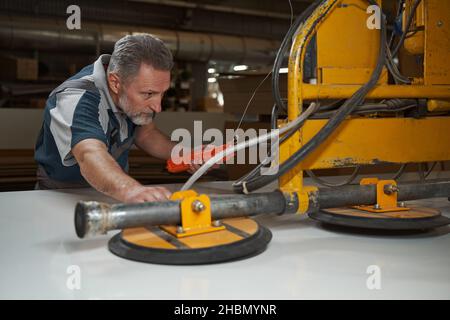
80	219
241	238
414	219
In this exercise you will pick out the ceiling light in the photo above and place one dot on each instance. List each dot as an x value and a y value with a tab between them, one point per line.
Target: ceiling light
241	67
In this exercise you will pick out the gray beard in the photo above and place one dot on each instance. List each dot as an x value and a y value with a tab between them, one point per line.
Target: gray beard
139	119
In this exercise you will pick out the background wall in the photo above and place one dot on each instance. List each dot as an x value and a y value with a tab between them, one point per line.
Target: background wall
19	128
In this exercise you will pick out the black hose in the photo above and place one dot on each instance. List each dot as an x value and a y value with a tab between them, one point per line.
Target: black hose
366	194
349	180
400	171
390	64
389	106
408	25
282	50
430	170
274	116
331	125
311	109
399	12
392	67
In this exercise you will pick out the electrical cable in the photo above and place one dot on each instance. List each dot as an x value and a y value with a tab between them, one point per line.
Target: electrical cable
393	69
274	116
245	144
329	127
429	170
399	172
398	78
309	111
390	106
420	172
278	100
251	99
282	51
400	8
352	177
407	26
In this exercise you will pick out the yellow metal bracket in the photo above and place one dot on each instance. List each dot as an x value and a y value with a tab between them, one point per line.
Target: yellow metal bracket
387	192
195	215
304	197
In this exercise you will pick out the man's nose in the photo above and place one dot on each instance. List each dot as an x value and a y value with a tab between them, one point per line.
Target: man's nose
156	106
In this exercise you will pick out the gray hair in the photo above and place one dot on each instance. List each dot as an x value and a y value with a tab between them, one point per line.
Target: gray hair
133	50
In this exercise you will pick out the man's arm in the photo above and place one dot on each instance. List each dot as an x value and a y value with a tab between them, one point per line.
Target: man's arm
157	144
154	142
102	172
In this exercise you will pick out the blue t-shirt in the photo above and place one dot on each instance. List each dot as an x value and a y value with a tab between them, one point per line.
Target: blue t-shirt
82	108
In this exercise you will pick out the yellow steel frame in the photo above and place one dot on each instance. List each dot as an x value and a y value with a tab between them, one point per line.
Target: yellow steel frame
343	66
347	52
313	92
293	180
437	42
372	141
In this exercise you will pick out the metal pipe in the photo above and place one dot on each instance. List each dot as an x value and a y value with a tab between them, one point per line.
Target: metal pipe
251	204
210	7
98	218
53	35
366	194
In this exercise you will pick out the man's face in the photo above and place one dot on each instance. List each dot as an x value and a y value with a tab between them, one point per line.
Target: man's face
141	97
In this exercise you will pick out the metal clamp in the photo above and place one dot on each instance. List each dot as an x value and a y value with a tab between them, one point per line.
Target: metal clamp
195	215
387	194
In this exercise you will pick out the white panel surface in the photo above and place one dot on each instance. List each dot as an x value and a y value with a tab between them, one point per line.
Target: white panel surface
303	261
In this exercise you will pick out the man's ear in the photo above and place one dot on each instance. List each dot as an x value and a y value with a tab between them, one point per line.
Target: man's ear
114	82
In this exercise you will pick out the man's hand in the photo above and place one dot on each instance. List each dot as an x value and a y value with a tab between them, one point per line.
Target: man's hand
145	194
103	173
194	167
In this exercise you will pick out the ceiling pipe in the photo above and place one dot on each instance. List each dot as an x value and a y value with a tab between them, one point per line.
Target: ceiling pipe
94	38
210	7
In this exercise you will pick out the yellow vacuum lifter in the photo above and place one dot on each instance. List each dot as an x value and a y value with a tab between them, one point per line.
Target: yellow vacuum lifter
362	111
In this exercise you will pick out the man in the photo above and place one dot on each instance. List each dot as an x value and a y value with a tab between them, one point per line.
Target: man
94	117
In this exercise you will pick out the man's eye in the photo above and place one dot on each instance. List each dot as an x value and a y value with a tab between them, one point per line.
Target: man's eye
148	94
